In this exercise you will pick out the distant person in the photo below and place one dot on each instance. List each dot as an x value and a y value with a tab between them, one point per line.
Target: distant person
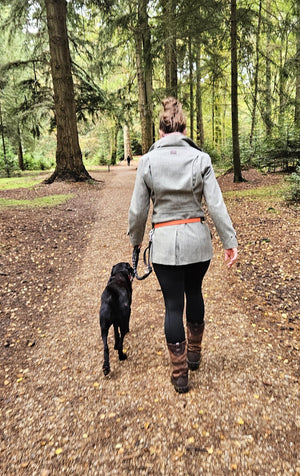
128	160
176	175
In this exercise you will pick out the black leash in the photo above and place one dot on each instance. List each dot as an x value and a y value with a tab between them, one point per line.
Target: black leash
146	258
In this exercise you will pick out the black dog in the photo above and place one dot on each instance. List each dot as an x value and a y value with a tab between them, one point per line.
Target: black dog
115	309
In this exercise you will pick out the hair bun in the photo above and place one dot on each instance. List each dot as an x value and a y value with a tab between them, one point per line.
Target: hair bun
172	118
170	103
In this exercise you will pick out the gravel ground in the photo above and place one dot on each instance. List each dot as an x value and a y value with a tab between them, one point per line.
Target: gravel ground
60	415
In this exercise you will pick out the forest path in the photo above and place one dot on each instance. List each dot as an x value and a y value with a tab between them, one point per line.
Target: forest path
67	418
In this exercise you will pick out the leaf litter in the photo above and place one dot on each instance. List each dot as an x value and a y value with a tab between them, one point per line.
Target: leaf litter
60	415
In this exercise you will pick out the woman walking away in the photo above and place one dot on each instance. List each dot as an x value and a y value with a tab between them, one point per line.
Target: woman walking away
175	174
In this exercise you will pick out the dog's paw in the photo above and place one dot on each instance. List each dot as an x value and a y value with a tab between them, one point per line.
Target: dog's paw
122	356
106	370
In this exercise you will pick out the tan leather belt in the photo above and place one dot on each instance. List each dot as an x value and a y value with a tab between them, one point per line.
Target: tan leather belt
178	222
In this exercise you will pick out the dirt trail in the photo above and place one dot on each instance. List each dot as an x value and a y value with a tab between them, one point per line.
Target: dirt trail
63	417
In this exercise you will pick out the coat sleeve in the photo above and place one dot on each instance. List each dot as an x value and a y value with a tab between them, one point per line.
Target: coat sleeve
216	206
139	206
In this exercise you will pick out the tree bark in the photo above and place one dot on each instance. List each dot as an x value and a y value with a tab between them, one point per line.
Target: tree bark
234	97
268	105
253	121
297	98
127	142
200	126
191	74
169	7
144	75
114	143
69	164
2	135
20	149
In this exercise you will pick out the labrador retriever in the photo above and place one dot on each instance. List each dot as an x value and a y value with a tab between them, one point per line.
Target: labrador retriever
115	309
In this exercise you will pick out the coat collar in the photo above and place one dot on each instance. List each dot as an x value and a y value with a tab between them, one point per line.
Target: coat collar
174	140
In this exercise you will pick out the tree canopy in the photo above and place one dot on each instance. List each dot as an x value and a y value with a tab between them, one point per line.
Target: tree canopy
234	65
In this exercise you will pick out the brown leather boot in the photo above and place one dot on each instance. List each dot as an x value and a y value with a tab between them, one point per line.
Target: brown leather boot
179	376
194	335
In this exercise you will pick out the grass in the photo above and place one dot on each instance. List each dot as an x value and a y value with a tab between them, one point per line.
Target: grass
261	193
30	178
24	181
41	202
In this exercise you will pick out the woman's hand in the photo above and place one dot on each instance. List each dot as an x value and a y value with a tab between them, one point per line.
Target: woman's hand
231	255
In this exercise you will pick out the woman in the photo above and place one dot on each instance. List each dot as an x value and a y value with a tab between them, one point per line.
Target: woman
175	174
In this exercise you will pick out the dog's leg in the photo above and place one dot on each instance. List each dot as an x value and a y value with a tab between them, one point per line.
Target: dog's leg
119	343
117	337
122	355
106	367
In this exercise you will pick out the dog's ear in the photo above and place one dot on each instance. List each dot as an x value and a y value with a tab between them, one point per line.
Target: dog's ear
113	270
130	269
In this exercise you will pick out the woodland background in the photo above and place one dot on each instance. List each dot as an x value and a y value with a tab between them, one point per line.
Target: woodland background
235	65
80	85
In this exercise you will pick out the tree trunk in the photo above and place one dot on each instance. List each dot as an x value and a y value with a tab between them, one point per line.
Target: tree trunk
127	142
20	151
213	111
253	121
268	104
218	121
114	142
234	97
69	164
2	135
200	127
191	89
282	85
144	75
297	99
147	56
169	7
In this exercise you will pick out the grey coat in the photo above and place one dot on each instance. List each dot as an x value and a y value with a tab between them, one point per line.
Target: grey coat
175	174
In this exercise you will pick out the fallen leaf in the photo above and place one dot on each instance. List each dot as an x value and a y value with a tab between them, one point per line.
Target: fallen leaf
178	454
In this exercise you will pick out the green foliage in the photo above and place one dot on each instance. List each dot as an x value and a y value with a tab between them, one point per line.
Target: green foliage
222	157
120	146
103	52
136	147
33	162
293	193
8	162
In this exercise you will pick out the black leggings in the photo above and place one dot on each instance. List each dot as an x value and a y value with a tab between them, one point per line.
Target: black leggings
175	282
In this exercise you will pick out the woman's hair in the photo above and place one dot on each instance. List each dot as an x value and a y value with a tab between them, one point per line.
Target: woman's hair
172	118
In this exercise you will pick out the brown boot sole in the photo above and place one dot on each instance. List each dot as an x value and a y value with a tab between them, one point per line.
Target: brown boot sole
179	388
193	365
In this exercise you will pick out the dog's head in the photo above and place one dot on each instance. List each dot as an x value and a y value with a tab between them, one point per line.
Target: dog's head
123	268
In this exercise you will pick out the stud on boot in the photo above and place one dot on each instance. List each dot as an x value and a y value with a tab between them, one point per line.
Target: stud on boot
179	376
194	334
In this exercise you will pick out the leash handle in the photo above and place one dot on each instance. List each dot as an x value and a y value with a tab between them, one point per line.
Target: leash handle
135	261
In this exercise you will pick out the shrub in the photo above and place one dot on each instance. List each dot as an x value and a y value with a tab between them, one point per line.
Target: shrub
136	147
36	163
8	163
293	194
